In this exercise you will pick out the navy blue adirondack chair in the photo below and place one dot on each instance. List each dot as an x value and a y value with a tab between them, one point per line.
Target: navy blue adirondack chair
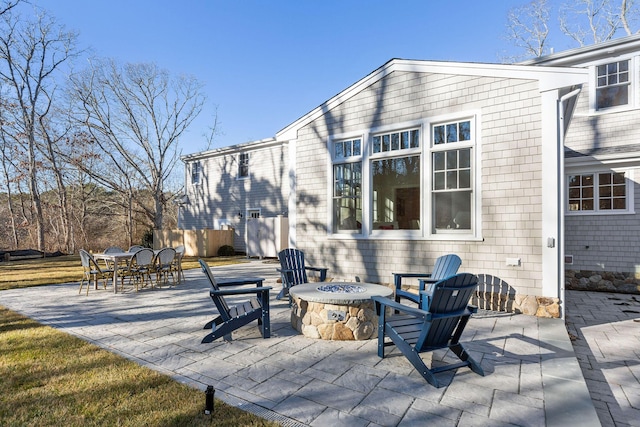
439	324
234	317
445	266
293	270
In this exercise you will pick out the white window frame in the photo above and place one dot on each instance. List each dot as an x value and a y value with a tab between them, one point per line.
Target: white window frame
426	231
629	193
459	145
345	160
634	69
244	162
195	170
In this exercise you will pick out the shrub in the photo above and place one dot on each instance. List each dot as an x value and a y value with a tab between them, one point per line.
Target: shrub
226	250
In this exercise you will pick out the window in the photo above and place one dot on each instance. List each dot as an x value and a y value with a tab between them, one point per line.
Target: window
612	84
452	183
195	173
597	192
411	180
396	197
243	165
347	186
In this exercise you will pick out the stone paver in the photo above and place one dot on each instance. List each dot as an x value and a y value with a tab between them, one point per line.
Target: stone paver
534	375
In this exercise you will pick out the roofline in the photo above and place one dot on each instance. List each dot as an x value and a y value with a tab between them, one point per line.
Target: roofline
586	53
245	146
549	77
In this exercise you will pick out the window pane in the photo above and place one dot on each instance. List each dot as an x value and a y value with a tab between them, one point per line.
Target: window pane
357	147
619	190
574	193
587	192
605	178
396	189
619	203
438	181
395	141
386	143
347	148
465	179
438	135
452	210
405	140
465	158
452	159
587	205
452	180
464	133
452	133
339	151
605	204
438	161
376	144
618	178
415	138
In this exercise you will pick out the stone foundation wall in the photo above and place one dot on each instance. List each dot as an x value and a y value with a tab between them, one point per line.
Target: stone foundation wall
602	281
523	304
334	322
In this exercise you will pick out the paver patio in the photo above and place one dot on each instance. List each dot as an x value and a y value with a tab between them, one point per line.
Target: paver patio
533	376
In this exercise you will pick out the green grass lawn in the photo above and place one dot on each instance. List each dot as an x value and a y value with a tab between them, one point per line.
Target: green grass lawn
49	378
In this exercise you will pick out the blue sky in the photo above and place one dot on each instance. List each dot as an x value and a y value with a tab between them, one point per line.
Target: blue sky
264	64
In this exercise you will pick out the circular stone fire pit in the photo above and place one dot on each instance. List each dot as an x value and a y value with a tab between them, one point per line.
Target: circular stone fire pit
336	310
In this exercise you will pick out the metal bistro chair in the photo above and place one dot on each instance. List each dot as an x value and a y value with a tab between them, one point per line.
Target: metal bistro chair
163	266
141	268
91	270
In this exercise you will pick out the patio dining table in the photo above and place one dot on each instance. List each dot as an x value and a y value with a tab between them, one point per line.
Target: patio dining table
115	258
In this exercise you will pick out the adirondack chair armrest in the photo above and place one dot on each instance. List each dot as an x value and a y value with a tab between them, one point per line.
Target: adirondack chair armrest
383	302
397	278
321	270
256	290
240	281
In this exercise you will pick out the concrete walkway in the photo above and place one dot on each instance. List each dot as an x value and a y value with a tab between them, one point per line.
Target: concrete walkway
533	377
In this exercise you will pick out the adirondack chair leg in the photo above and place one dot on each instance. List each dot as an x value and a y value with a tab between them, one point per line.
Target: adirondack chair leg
463	355
265	320
217	321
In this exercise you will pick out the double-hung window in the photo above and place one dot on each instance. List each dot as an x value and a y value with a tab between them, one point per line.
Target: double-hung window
347	186
452	177
613	84
395	171
196	172
243	165
601	192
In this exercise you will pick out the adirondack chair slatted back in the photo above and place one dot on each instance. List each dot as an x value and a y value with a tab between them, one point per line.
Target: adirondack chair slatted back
221	304
445	266
448	303
293	259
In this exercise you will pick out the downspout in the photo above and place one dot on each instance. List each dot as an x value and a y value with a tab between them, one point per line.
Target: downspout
566	107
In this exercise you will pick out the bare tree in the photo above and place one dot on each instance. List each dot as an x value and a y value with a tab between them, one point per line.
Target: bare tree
136	114
528	28
31	53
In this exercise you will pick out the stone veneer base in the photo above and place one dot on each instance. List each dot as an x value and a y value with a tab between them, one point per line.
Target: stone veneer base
325	321
602	281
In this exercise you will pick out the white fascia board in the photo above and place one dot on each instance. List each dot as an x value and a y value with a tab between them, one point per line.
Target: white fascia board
589	53
247	146
607	160
550	78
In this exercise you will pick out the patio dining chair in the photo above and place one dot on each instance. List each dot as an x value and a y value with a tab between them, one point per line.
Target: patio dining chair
135	248
141	267
177	263
438	325
163	266
91	270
